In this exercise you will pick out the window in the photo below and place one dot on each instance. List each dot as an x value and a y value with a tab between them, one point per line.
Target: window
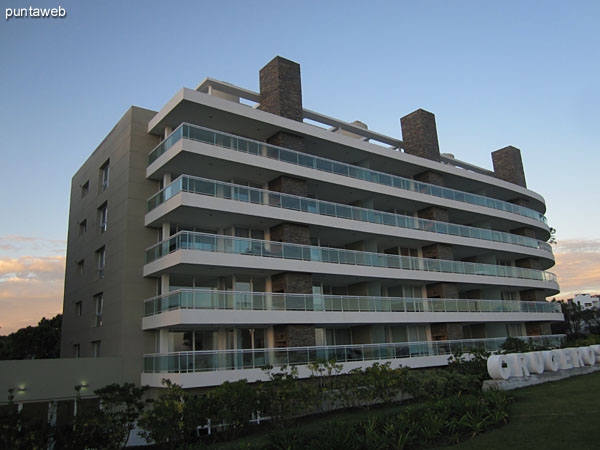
514	329
101	256
98	305
82	227
96	349
102	217
78	309
509	295
76	351
85	188
80	266
104	172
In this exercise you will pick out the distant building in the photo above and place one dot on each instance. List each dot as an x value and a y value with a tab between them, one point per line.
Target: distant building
587	301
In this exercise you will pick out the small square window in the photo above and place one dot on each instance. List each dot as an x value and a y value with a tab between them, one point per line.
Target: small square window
82	227
104	174
78	309
76	351
85	188
102	217
80	266
96	349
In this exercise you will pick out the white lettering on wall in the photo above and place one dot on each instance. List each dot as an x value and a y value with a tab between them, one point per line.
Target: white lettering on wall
502	367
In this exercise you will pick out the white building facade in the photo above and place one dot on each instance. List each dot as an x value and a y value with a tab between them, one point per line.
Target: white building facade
256	232
587	301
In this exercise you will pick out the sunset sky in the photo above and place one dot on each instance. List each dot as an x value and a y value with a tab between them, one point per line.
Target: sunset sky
521	73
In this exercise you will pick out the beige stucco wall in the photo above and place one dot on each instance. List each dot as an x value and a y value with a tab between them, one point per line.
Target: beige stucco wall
55	379
123	286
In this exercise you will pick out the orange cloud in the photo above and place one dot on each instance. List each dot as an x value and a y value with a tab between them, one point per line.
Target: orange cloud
30	288
577	267
31	266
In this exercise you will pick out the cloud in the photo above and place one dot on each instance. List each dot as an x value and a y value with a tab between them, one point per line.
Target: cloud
31	287
26	245
577	267
31	267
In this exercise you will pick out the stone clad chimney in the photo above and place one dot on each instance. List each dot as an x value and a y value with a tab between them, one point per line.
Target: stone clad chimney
508	165
419	135
281	88
281	94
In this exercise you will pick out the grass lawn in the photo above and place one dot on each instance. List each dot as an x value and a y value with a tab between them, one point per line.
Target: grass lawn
559	415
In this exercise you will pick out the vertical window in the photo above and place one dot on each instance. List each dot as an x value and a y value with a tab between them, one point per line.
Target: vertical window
85	188
82	227
509	295
76	351
98	305
101	256
102	217
80	266
96	349
104	174
78	309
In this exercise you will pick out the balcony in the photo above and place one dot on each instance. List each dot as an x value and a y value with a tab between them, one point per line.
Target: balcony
202	299
223	360
185	240
229	191
225	140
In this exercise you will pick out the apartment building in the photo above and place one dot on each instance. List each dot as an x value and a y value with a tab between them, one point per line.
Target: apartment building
235	229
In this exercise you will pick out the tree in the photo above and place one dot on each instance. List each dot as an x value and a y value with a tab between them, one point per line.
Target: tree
172	418
18	432
120	408
283	397
232	406
573	317
552	240
41	341
105	422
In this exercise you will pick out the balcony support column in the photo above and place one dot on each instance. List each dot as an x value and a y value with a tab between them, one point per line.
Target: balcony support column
166	230
163	340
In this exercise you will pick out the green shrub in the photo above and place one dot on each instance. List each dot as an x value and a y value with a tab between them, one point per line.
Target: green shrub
287	440
283	397
232	406
589	339
334	435
473	364
171	419
324	383
18	432
121	406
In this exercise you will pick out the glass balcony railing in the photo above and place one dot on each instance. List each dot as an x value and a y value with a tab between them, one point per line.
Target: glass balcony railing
211	360
220	139
186	240
270	301
212	188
